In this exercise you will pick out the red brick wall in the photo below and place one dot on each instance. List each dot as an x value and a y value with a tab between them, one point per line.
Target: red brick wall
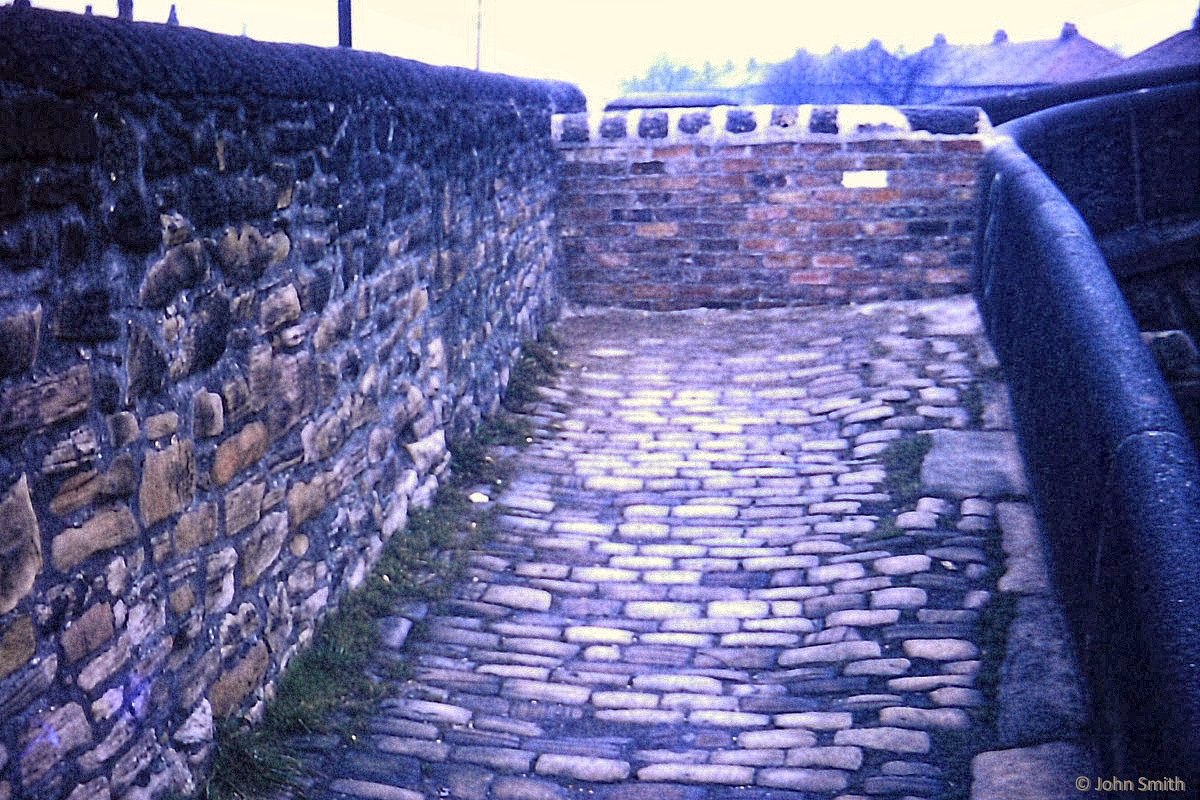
747	207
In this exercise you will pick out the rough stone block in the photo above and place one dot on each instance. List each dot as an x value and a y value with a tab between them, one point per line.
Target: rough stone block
17	646
20	545
196	528
168	481
182	267
124	428
280	307
44	402
146	365
88	633
219	579
583	768
305	501
27	685
242	450
243	506
85	488
106	529
73	453
20	335
245	253
239	681
50	737
291	392
208	414
160	426
1025	560
262	546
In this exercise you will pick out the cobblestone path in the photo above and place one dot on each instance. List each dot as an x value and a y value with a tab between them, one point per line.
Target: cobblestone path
703	587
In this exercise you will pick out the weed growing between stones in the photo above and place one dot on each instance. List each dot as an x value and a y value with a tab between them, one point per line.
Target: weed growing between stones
960	747
994	625
972	402
471	459
886	528
902	466
331	685
535	366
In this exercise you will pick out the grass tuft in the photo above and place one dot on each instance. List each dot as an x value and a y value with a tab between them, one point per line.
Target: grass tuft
251	765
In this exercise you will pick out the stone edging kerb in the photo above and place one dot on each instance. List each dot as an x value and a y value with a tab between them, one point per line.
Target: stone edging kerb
1115	476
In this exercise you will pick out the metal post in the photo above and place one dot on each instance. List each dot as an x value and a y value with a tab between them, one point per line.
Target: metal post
344	23
478	35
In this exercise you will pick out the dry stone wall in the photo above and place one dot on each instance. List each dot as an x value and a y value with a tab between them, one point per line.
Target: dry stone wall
248	293
768	205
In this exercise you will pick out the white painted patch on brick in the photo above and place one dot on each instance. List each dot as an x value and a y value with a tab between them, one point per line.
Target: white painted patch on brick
865	179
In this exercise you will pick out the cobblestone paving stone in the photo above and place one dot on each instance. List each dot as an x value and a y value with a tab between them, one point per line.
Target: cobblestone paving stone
701	588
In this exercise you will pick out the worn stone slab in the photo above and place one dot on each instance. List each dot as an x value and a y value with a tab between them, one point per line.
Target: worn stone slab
1047	772
974	464
370	790
518	597
584	768
1041	695
1024	551
706	774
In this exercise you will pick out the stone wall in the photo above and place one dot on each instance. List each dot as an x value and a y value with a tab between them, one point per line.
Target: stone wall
767	205
247	294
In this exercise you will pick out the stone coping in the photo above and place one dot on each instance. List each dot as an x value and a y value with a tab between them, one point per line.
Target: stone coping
763	124
70	54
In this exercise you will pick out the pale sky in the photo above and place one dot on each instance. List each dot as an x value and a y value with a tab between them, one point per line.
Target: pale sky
598	43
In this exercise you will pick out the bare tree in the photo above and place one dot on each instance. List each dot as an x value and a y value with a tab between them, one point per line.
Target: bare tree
867	75
665	75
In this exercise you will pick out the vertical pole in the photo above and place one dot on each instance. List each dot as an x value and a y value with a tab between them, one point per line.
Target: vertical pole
344	23
478	35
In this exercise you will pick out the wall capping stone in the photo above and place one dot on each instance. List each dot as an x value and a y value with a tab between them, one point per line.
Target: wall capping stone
761	124
71	53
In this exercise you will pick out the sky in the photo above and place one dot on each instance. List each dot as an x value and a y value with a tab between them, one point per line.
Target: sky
598	43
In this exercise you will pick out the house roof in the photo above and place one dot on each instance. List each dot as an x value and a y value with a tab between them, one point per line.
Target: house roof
1179	50
1070	57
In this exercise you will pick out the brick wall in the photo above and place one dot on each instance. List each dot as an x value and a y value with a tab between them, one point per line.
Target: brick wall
765	205
247	294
